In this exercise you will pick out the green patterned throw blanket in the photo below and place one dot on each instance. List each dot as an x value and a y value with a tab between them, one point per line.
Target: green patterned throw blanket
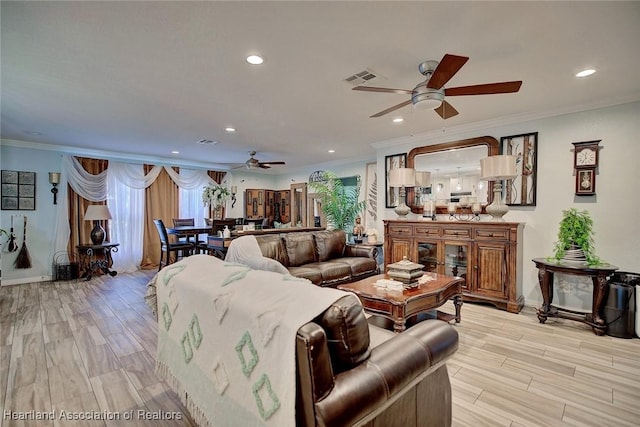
226	339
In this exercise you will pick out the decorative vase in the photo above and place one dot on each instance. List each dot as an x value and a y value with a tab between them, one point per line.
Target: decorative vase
217	212
574	254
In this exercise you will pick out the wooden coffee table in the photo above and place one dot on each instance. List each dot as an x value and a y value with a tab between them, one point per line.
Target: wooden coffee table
401	305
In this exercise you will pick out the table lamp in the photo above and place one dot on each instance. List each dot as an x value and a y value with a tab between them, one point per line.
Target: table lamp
97	213
497	168
402	178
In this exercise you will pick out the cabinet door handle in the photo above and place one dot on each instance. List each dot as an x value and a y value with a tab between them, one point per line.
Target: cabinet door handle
475	267
490	234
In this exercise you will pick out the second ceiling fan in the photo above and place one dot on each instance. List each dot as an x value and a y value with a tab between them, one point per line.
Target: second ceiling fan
431	92
254	163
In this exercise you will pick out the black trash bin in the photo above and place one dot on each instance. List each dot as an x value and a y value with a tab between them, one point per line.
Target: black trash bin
620	306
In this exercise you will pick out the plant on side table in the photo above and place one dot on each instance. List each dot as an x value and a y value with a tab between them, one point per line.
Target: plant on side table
339	204
575	238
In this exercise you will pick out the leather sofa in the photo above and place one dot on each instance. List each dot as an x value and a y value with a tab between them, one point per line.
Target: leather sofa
348	371
323	257
351	373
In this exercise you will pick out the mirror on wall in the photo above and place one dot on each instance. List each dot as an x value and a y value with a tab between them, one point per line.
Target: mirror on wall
455	172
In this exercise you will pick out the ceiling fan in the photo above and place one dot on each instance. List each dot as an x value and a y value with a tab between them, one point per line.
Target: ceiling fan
431	92
253	163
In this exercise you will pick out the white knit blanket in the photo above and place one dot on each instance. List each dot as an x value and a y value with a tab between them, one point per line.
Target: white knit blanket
226	339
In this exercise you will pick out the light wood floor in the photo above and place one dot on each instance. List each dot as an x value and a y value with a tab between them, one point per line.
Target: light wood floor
88	348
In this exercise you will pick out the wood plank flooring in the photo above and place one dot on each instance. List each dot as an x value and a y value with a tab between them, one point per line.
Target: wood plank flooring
87	348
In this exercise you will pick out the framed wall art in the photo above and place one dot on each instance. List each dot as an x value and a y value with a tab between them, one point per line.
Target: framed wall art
18	190
521	191
394	161
371	196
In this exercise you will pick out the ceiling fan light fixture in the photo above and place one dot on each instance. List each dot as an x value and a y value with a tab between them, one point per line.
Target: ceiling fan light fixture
427	100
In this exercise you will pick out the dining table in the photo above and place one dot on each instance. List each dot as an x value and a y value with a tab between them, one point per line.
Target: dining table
190	231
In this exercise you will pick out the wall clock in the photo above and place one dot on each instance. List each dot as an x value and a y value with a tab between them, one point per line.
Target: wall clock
586	182
585	163
585	154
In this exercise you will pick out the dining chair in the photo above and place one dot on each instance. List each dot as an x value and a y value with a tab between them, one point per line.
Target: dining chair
183	222
178	249
178	222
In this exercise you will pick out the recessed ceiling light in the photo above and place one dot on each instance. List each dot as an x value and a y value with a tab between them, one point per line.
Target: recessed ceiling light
398	120
332	151
585	73
255	59
175	152
230	129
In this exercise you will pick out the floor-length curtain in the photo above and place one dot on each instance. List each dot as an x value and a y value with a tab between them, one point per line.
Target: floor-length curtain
161	202
192	182
125	185
80	230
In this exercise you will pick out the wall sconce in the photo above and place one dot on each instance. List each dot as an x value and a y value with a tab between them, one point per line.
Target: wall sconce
54	179
234	190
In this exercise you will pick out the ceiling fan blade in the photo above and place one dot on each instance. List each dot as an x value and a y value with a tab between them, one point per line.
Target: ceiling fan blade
381	89
484	89
446	69
446	110
272	163
390	109
263	166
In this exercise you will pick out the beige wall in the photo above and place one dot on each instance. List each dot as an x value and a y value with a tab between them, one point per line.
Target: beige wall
614	209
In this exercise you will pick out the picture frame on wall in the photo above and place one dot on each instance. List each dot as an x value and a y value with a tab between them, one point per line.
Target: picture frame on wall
521	191
371	196
18	190
394	161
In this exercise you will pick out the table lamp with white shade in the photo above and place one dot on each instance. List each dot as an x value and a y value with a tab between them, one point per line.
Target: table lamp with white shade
497	168
97	213
402	178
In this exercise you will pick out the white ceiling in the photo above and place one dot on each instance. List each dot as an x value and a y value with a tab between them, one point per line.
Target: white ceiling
145	78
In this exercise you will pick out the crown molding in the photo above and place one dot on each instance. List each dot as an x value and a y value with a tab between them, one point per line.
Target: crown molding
445	134
110	155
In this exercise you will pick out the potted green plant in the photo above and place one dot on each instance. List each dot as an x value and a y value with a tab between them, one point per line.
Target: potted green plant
339	204
574	235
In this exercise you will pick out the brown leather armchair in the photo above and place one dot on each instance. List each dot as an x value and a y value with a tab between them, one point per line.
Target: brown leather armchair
345	379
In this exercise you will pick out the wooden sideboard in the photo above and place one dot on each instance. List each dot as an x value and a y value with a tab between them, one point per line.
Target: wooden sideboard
488	255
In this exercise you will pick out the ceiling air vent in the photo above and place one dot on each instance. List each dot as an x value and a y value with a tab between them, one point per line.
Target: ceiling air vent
207	142
362	77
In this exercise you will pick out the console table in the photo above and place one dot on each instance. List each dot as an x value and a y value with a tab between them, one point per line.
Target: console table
598	275
488	255
94	258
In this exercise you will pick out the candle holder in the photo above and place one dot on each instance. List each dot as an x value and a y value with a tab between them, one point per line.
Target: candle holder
429	210
464	213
